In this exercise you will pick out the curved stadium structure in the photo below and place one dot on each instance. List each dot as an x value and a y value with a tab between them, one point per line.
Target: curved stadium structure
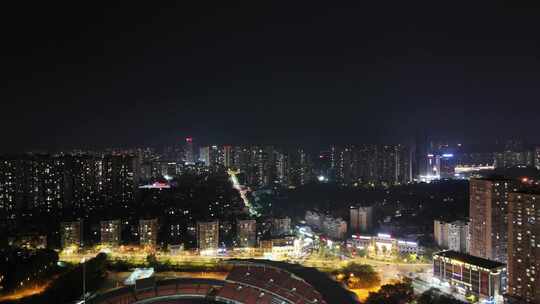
247	283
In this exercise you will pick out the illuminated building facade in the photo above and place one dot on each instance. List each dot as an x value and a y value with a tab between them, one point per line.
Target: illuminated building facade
485	279
110	233
361	219
383	245
148	231
246	232
71	234
524	247
207	236
488	212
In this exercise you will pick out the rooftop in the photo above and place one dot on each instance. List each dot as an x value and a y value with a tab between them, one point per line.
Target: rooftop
469	259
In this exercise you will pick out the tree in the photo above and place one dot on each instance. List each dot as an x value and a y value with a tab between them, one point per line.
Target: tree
68	286
399	293
151	260
435	296
361	252
358	276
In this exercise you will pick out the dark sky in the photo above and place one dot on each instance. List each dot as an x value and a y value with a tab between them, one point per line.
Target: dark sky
287	71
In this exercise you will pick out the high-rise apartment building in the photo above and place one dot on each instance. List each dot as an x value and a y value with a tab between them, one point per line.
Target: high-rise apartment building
228	156
451	235
189	150
207	236
391	164
86	181
148	231
524	247
9	186
510	158
212	157
246	233
110	233
488	212
71	234
440	233
458	236
537	157
120	179
361	219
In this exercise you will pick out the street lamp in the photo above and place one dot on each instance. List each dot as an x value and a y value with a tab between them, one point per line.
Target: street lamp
83	261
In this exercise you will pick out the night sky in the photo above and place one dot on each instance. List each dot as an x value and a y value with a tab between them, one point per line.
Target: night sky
282	72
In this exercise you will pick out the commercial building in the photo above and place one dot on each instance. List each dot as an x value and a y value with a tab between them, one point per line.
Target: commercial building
524	247
148	230
110	233
361	219
452	235
71	234
488	212
470	275
383	245
278	248
208	237
246	231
